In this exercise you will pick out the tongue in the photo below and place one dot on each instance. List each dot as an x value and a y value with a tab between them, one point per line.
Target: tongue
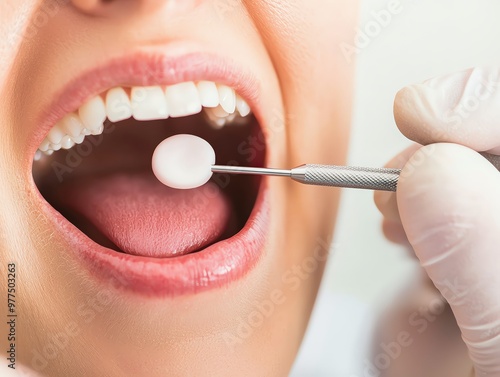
143	217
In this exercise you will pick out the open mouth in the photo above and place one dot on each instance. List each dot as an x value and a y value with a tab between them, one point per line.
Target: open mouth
94	169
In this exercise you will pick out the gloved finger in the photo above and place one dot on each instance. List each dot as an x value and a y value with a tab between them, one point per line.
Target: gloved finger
394	232
461	108
386	200
450	210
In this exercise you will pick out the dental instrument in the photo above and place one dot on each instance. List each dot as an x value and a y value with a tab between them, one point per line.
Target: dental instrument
188	161
384	179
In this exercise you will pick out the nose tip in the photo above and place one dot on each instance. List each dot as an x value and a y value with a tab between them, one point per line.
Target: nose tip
89	6
108	7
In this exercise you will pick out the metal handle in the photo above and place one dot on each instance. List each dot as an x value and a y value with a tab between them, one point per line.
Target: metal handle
347	176
357	177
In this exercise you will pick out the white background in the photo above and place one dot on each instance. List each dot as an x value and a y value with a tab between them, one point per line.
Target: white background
427	38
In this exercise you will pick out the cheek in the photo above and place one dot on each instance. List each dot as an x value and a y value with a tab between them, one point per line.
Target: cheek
303	39
15	19
300	34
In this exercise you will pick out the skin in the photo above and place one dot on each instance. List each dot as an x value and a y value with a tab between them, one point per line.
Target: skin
293	47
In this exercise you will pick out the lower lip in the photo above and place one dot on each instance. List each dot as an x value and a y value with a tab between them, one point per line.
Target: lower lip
213	267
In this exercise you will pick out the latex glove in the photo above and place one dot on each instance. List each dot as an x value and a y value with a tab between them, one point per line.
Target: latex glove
448	200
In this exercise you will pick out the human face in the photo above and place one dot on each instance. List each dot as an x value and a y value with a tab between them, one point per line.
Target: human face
102	286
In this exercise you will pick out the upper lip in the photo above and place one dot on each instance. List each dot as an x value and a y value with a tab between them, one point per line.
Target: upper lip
193	272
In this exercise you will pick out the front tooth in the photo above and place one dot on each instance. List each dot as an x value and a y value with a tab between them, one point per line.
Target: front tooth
148	103
209	95
99	131
79	139
67	142
242	106
214	119
72	125
55	147
182	99
56	134
218	112
92	113
45	145
118	105
227	98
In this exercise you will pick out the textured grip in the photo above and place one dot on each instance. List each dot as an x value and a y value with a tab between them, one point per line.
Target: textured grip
357	177
348	176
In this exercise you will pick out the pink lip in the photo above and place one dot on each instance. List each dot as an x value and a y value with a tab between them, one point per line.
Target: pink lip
212	267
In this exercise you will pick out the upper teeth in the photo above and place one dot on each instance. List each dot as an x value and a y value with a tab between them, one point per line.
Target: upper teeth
220	103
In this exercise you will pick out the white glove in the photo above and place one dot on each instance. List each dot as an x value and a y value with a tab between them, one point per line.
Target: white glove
448	200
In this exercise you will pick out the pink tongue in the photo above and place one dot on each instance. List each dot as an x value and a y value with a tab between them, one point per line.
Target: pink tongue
143	217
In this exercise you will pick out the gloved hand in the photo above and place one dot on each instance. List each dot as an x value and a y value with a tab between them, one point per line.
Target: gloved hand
448	200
